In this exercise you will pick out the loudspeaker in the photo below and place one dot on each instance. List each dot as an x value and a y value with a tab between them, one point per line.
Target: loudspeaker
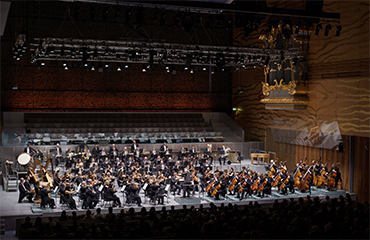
340	146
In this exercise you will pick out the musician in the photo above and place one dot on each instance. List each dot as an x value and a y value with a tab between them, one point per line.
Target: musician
208	153
272	165
95	151
114	153
121	179
92	197
102	154
79	178
57	180
185	162
243	187
164	147
45	199
224	152
69	157
193	152
148	168
112	148
58	154
335	169
66	192
160	194
137	154
182	153
186	184
134	146
29	149
24	192
125	154
133	194
202	159
109	194
82	147
290	184
153	154
105	163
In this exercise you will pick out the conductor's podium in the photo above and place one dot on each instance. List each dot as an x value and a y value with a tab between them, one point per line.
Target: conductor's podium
260	157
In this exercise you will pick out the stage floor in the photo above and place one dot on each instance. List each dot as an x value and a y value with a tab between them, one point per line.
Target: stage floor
10	209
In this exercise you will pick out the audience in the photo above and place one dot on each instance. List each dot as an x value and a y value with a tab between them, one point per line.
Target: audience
306	218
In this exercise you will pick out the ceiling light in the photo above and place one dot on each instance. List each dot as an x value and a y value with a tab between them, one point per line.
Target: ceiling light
240	91
119	67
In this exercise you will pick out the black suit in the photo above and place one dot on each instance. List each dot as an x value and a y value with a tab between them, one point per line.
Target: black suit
133	194
45	199
91	198
29	150
110	196
133	147
95	152
23	192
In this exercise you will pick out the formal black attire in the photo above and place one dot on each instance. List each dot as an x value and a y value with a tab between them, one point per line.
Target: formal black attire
110	195
23	192
133	194
134	147
45	199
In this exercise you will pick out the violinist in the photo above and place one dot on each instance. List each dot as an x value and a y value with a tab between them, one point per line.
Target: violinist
109	194
79	178
66	195
133	194
102	154
121	179
92	197
116	165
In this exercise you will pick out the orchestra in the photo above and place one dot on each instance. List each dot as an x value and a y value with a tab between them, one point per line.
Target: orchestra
93	176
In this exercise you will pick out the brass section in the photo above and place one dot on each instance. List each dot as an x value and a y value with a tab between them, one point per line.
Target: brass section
288	100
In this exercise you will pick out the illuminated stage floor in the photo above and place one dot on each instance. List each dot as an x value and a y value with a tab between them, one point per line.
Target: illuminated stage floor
10	209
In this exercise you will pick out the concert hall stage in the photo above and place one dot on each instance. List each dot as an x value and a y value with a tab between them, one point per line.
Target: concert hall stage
11	210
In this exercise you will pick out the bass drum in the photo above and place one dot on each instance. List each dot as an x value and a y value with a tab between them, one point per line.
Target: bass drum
24	158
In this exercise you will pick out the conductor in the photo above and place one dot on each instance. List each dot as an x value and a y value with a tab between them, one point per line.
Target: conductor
187	183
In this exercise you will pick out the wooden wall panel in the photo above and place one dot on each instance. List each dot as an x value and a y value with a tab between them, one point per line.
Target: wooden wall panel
338	82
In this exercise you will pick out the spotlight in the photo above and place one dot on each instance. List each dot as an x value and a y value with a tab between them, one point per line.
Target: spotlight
204	68
15	87
244	67
126	66
255	65
240	91
119	67
297	27
92	66
318	28
42	63
18	58
65	65
106	65
143	68
339	28
86	64
327	29
191	71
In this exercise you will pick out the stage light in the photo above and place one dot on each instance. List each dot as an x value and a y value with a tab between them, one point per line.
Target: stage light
126	66
297	27
92	66
42	63
318	28
255	65
65	65
119	67
106	65
204	68
327	29
339	28
191	71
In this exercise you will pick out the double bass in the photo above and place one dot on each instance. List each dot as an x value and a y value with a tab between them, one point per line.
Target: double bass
304	184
